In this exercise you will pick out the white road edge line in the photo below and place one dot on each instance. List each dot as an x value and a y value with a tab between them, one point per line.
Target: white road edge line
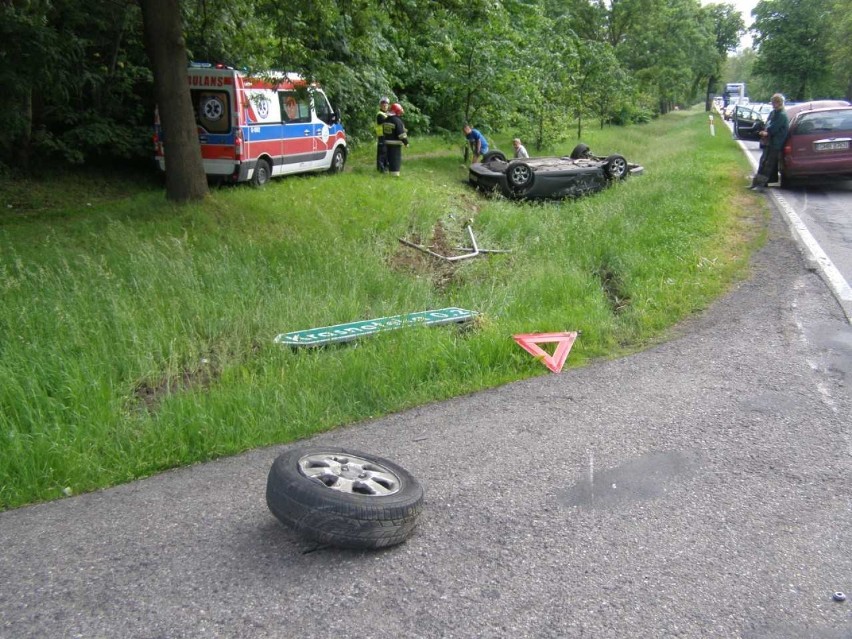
810	247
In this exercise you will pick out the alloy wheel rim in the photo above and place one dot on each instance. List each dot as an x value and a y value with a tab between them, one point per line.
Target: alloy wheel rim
350	474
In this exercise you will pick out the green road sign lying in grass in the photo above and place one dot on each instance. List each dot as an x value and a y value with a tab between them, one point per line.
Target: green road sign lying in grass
353	330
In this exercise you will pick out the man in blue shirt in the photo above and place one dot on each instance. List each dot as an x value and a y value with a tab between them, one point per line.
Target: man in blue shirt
477	141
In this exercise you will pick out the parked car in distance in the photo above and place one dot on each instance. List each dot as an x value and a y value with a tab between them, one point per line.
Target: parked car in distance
819	143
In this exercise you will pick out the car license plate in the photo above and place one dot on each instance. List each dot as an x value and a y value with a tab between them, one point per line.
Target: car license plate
831	146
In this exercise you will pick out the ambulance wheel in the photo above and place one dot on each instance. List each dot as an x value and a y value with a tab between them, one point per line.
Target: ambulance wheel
344	498
262	173
338	161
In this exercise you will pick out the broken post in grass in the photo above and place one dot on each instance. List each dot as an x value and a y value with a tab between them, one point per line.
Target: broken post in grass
469	252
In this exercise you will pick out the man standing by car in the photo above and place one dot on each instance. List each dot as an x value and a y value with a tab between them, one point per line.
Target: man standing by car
381	150
773	136
477	141
520	149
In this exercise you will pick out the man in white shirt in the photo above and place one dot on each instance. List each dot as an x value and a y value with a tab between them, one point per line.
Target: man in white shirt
520	151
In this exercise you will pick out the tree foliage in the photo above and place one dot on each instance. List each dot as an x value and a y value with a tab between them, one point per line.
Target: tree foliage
792	38
79	86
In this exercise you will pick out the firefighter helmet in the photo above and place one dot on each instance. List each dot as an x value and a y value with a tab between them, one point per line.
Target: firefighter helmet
396	108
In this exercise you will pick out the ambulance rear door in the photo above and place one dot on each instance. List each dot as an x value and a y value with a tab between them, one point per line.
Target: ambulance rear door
212	93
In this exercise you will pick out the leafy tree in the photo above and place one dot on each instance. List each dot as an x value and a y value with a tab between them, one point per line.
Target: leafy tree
548	94
612	90
30	54
598	78
461	61
626	20
80	87
791	39
72	78
840	50
664	44
725	25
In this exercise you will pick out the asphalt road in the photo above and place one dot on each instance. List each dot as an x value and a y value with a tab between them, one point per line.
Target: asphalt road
817	210
699	489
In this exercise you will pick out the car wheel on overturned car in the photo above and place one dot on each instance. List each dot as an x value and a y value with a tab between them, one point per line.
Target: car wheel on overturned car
493	155
519	175
581	151
616	167
344	498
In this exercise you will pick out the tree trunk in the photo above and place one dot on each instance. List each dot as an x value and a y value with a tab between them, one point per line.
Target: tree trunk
708	101
166	48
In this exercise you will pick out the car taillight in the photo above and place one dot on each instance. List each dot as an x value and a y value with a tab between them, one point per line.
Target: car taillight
238	145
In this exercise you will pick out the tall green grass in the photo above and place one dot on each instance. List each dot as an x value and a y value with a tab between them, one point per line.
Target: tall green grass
136	336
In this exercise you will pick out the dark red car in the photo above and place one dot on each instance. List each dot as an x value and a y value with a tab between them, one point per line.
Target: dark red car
819	143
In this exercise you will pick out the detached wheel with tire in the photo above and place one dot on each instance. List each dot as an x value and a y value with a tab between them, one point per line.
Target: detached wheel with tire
519	175
343	497
616	167
262	173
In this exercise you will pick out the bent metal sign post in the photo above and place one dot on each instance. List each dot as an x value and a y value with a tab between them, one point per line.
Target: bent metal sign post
353	330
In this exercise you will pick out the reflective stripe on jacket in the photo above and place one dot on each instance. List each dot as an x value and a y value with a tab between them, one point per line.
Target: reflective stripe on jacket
393	130
380	120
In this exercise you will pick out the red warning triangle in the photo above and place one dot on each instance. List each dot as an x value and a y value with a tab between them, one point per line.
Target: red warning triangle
530	341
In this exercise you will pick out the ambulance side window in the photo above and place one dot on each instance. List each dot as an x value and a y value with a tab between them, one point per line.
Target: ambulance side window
295	106
212	110
323	108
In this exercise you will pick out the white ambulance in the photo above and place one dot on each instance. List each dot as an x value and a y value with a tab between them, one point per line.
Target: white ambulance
256	128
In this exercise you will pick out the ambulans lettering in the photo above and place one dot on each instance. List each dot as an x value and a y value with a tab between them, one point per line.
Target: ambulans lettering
206	81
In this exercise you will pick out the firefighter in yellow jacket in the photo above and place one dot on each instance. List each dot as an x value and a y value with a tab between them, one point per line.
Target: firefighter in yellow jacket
395	135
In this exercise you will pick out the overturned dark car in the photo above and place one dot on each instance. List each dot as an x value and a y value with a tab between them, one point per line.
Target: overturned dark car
579	174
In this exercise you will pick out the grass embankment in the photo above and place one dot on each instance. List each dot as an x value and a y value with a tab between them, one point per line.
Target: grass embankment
136	336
